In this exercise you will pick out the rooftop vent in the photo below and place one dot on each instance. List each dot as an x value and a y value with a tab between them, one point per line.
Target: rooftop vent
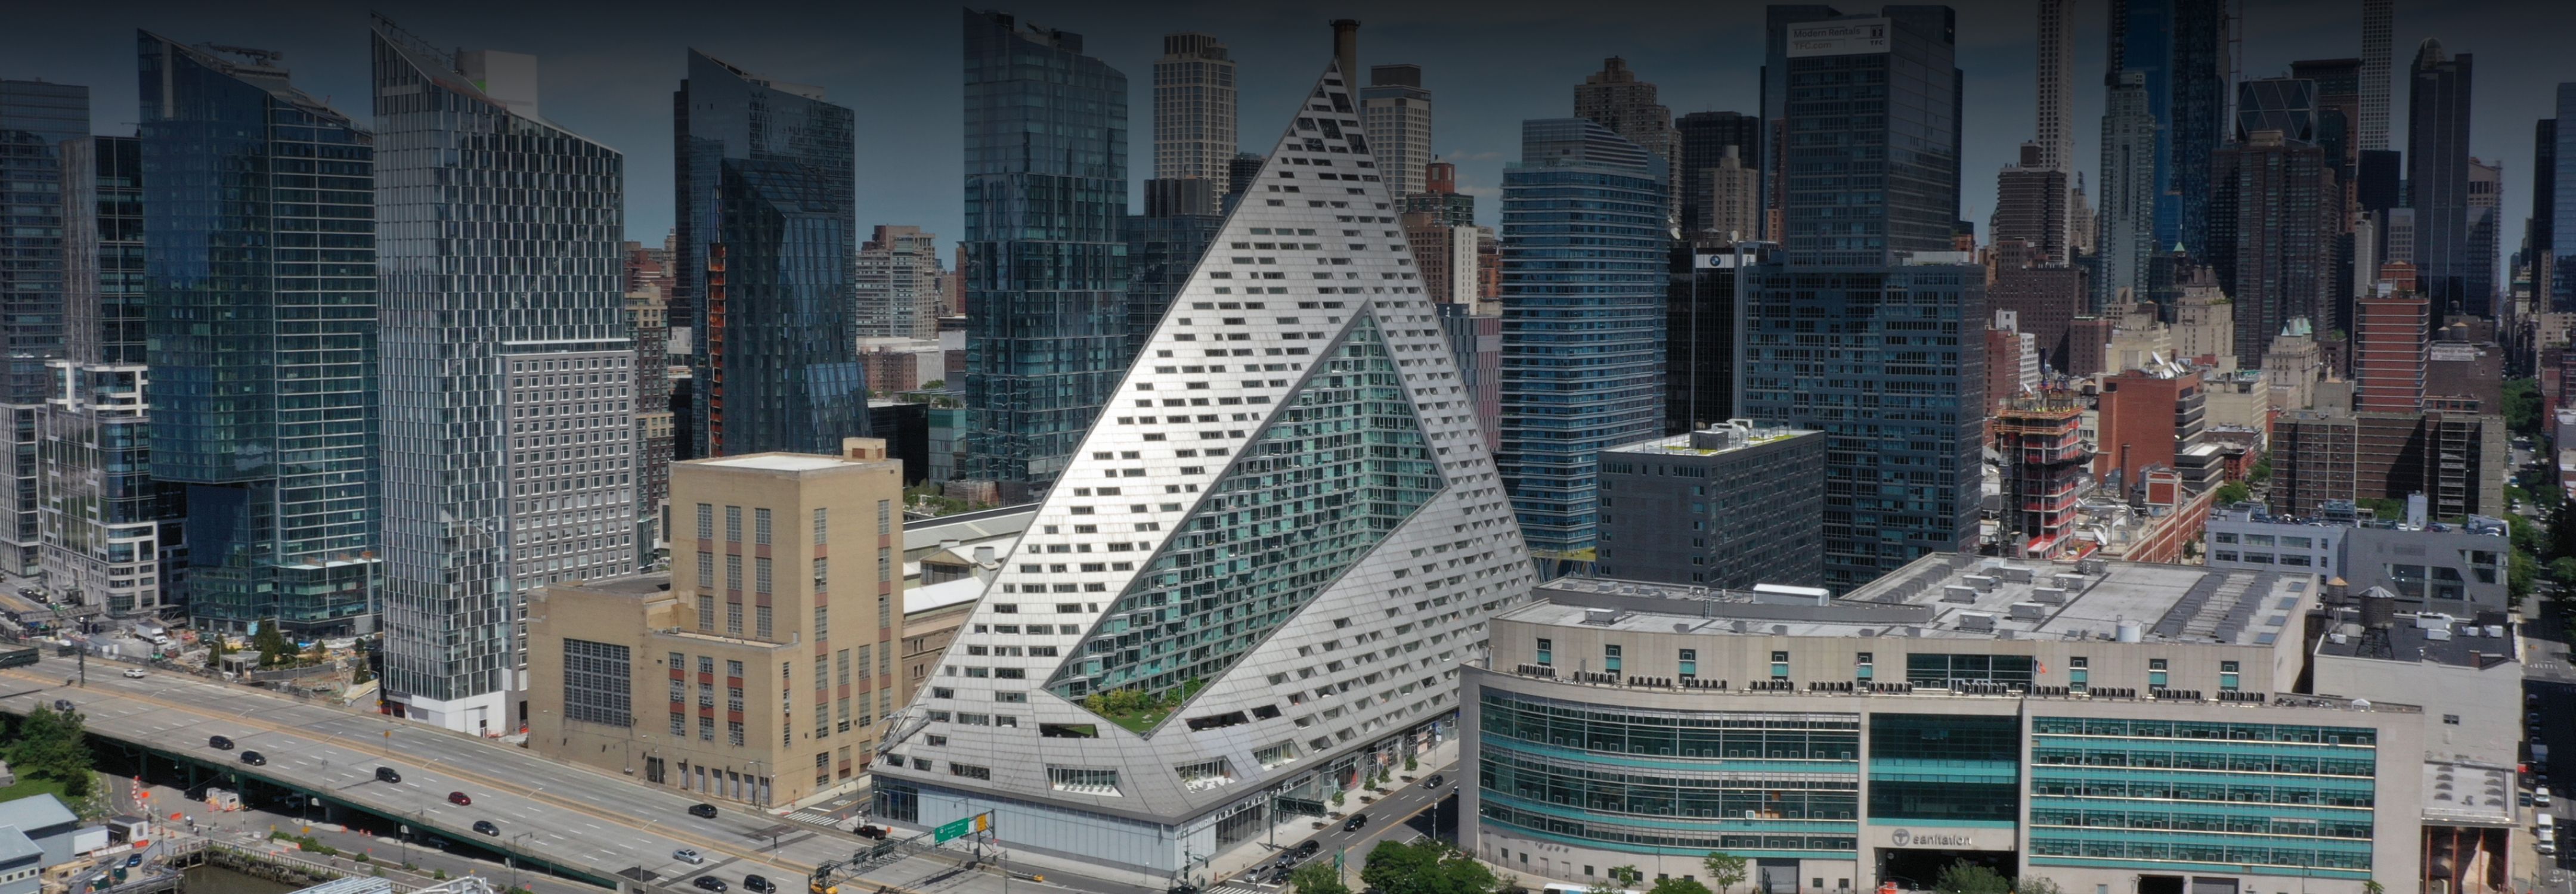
1976	621
1601	617
1982	582
1957	593
2029	611
2048	595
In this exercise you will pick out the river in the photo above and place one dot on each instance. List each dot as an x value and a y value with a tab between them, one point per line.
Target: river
212	879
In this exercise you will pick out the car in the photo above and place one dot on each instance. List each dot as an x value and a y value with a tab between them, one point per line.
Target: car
703	811
459	799
219	743
1182	888
254	758
2540	796
1355	822
387	775
135	673
1435	781
133	860
487	827
62	705
1309	849
872	832
688	855
2522	799
758	885
708	883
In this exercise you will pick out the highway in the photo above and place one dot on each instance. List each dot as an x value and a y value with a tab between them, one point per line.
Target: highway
576	819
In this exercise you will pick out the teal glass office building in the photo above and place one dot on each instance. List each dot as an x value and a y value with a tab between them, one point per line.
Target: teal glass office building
259	208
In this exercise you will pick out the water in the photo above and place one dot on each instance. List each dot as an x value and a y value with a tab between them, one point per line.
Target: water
212	879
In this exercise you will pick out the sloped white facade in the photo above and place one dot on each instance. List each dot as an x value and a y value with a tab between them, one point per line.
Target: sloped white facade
1288	511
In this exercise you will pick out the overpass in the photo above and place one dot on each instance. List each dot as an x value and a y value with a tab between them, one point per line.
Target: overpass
578	822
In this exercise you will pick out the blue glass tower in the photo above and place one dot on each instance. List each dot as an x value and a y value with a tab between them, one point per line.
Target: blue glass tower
259	207
1867	327
1046	265
36	118
1584	245
766	211
2558	203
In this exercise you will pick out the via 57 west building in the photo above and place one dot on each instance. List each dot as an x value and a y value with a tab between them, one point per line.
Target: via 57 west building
2112	727
1259	576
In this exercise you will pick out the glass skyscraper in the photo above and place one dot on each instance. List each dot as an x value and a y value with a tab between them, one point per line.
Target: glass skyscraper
259	207
36	118
1585	235
767	238
1046	265
102	511
509	441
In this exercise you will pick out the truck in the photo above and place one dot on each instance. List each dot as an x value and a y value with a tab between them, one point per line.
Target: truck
18	656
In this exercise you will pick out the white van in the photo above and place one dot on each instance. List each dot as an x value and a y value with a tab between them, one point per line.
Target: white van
2540	796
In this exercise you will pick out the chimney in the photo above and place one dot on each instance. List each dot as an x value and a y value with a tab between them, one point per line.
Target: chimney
1346	47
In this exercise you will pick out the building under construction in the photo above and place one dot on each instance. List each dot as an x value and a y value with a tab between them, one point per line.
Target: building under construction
2043	466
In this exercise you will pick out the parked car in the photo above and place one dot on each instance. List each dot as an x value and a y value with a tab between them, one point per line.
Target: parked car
135	673
1355	822
459	799
219	743
758	885
487	827
134	859
688	855
62	705
254	758
703	811
387	775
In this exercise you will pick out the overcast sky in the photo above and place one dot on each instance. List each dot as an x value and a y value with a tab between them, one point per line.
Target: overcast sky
608	69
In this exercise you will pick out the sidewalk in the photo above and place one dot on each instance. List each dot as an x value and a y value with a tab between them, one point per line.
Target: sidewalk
1259	851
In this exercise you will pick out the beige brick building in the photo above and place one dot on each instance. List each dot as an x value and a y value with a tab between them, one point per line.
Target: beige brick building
758	668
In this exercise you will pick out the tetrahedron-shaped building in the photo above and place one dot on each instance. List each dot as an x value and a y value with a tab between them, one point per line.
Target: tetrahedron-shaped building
1256	581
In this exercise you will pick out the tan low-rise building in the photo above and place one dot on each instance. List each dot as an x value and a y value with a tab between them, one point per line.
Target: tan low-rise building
753	671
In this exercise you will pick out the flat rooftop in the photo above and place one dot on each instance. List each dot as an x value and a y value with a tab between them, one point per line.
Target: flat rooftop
780	462
653	584
1710	441
2417	638
1962	597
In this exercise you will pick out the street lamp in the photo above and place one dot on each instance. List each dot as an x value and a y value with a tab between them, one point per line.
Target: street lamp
515	845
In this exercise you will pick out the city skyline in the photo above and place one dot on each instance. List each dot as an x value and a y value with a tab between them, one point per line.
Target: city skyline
1492	67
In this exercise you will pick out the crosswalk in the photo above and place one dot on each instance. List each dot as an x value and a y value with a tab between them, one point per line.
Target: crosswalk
815	818
1240	887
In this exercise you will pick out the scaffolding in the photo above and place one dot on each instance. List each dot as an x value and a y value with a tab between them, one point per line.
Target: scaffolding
2039	439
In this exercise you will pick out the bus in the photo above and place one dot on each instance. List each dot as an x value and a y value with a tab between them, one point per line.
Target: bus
17	656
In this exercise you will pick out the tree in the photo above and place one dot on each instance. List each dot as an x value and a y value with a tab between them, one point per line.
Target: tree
1317	877
1431	867
2234	492
2261	472
1964	877
50	744
2521	572
272	645
2522	406
1620	878
1725	870
1671	885
2035	885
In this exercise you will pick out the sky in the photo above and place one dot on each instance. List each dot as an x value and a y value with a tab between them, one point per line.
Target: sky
607	70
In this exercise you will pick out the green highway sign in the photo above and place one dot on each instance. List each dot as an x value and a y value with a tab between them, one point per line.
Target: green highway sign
961	828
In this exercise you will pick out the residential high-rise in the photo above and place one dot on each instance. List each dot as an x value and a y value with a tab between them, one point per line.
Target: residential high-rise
1397	112
264	376
2388	351
2437	175
605	652
897	283
2485	218
102	514
1917	207
1897	383
1584	241
1163	245
1445	255
2056	80
2042	455
1046	276
1752	511
36	121
649	318
1194	113
1615	99
2274	228
2203	33
2553	204
1705	138
1138	709
2378	41
1732	209
1440	196
509	433
2030	205
767	190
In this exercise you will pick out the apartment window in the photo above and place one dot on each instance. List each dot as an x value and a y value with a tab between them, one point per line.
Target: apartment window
2156	673
822	768
822	574
885	611
1779	665
1083	780
760	527
706	570
598	686
969	771
733	732
733	524
733	573
706	665
1690	662
706	728
2227	676
1610	658
733	700
2079	674
760	574
679	723
706	521
761	625
733	619
841	668
1546	652
885	565
822	621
